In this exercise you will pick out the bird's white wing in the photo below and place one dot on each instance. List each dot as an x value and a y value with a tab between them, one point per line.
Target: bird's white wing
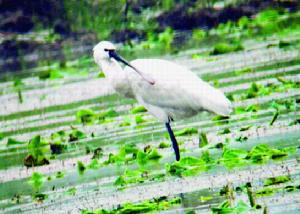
176	87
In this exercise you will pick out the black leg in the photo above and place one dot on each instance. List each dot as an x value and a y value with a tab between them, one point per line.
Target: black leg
174	141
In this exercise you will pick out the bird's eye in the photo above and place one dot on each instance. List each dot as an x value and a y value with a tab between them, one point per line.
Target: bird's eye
106	49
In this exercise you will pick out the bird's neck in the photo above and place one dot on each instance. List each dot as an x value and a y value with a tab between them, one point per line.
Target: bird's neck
111	68
117	77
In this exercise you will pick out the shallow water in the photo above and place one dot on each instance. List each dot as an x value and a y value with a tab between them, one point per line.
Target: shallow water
51	105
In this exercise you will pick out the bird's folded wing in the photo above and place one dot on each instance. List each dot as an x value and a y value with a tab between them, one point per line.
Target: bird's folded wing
178	88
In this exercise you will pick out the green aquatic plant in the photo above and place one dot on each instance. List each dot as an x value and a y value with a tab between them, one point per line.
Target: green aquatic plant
37	181
139	119
110	113
101	74
224	131
38	148
131	176
245	128
59	140
39	197
138	109
277	180
249	108
71	191
263	152
284	44
143	157
224	207
187	166
126	154
163	145
97	153
60	174
199	34
220	120
57	144
274	118
126	122
186	131
264	192
233	157
12	141
222	48
80	168
94	164
203	140
258	90
18	87
244	71
148	206
86	116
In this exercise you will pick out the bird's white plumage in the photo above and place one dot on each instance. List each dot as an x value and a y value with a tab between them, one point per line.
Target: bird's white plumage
176	93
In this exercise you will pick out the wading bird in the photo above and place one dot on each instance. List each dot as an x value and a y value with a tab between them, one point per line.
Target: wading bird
167	90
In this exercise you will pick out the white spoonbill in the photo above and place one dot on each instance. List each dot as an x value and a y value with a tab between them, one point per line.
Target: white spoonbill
167	90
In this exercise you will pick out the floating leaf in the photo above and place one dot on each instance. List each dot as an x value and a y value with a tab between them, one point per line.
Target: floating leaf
94	164
139	119
85	116
264	192
220	120
203	140
37	180
163	145
186	131
224	207
37	149
233	157
12	141
107	114
138	109
80	167
277	180
187	166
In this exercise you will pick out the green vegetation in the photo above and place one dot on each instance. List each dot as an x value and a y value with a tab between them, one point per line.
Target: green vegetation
18	86
138	109
12	141
186	131
225	207
85	116
187	166
38	149
80	167
149	206
126	153
203	140
276	180
222	48
36	181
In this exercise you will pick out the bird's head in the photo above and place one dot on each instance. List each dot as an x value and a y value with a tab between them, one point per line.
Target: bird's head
102	51
106	51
